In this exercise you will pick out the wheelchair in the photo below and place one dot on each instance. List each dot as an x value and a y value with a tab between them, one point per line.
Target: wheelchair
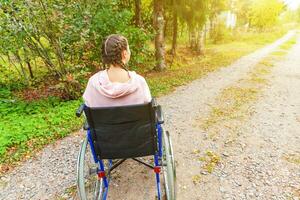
114	134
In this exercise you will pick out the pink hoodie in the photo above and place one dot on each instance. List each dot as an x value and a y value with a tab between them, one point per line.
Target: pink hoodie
100	92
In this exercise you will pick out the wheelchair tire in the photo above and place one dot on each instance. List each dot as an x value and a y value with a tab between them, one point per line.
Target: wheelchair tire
88	185
168	165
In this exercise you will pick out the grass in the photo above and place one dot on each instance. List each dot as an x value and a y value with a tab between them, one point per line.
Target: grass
69	193
279	53
196	179
211	160
293	158
283	49
25	127
287	45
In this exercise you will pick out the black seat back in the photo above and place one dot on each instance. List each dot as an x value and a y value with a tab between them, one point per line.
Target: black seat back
123	132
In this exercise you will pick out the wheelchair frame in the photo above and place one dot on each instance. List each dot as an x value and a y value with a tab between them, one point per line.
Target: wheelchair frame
163	158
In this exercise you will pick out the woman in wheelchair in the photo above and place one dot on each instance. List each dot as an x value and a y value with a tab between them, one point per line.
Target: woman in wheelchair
123	122
116	86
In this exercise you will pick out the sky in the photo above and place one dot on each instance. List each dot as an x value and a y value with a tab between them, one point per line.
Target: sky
292	4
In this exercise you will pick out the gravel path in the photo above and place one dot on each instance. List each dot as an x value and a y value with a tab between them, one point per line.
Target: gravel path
257	171
258	166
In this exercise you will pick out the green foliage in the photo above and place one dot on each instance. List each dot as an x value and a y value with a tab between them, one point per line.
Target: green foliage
64	35
265	13
104	23
21	122
5	93
288	16
220	33
9	78
242	8
215	7
194	13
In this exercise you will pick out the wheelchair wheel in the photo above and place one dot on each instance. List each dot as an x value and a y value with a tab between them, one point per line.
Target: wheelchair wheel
168	166
88	184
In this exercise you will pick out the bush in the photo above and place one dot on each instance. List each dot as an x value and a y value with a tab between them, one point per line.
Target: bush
220	33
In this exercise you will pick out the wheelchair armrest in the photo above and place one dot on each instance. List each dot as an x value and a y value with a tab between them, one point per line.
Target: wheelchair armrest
86	125
80	110
159	115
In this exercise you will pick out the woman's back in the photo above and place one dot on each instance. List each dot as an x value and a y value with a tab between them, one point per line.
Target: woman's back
102	92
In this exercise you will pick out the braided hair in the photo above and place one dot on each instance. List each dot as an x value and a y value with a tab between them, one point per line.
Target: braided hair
112	47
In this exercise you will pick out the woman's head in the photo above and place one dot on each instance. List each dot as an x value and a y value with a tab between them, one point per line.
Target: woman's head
115	50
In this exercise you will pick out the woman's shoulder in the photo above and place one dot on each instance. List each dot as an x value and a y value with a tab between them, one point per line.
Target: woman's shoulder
137	76
97	76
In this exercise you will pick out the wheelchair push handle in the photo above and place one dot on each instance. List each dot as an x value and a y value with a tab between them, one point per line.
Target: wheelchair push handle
154	102
80	110
159	115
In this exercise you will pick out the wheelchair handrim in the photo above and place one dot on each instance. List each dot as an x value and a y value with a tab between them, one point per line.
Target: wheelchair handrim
80	169
97	185
169	170
173	163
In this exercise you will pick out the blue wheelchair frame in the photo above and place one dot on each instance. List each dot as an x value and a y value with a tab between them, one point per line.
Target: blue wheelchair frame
157	166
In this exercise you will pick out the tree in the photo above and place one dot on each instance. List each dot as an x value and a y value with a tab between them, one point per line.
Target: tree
175	26
11	46
138	15
215	7
265	13
195	14
159	35
243	12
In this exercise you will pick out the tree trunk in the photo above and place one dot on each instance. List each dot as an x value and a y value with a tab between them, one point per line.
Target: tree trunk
30	69
22	67
166	21
159	36
175	30
212	23
210	26
193	40
205	33
189	33
201	41
138	16
27	60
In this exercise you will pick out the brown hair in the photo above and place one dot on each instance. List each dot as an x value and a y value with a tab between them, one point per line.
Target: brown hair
112	47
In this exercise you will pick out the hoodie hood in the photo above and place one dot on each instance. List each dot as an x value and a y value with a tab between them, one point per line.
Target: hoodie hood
114	89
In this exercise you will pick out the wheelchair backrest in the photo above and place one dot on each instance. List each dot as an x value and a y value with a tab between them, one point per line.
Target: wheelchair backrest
124	131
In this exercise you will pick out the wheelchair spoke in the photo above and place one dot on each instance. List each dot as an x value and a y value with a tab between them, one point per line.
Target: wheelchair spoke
88	184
